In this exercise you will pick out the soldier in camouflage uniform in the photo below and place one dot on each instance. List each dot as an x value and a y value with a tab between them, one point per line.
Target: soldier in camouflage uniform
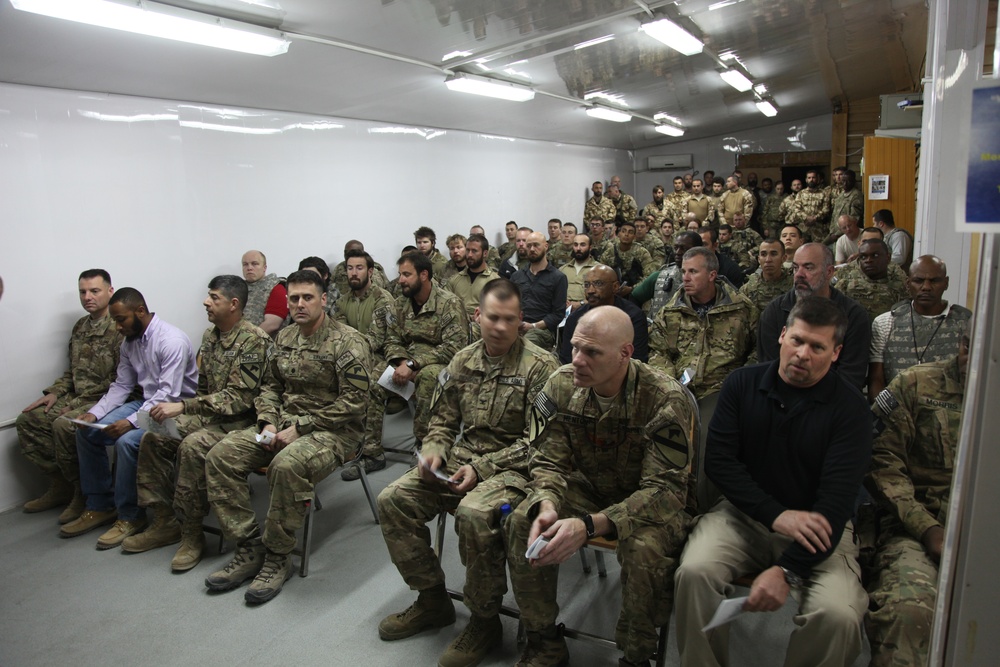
772	279
650	241
339	278
429	326
485	394
231	363
629	259
846	200
599	244
717	189
425	238
561	253
312	408
744	243
599	206
870	284
613	442
507	248
456	249
657	208
707	330
811	210
919	418
659	287
367	309
468	284
734	199
625	207
676	201
262	286
50	442
770	218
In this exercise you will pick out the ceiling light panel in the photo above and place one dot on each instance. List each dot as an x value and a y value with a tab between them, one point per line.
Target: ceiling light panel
673	36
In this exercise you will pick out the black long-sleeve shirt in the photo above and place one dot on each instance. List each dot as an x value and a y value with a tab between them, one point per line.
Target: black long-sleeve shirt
543	296
640	325
853	360
773	447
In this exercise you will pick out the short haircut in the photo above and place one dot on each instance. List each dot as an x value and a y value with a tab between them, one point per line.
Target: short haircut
231	287
792	224
526	229
317	263
697	180
510	222
129	297
419	261
657	187
714	231
555	220
628	223
694	237
570	224
817	311
678	178
425	232
880	242
812	171
725	226
719	180
407	248
96	273
884	216
711	261
502	290
601	183
824	250
307	277
874	230
354	254
480	239
771	241
850	178
455	237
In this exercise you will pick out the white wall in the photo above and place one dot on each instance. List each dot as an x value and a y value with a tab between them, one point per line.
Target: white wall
165	195
719	153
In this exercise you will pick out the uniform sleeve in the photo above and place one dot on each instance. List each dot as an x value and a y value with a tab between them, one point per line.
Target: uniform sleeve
648	265
551	458
660	356
268	401
64	384
454	334
378	330
889	478
881	328
395	345
446	413
748	205
242	384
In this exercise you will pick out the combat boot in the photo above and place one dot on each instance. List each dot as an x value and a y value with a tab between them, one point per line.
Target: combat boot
75	507
433	609
59	493
192	546
545	649
246	563
163	531
272	576
477	640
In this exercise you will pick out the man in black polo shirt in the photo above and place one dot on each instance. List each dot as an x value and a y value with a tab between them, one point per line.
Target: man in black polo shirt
787	449
543	294
812	269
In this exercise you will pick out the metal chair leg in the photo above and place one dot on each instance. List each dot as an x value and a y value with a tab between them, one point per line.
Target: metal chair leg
368	492
307	538
602	571
584	561
439	537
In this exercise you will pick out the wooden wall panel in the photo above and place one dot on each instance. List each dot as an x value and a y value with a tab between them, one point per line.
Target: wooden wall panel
898	159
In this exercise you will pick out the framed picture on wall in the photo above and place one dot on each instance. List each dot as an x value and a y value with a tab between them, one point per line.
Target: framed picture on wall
878	186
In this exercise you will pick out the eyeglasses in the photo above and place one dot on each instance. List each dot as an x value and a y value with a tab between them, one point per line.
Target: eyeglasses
597	284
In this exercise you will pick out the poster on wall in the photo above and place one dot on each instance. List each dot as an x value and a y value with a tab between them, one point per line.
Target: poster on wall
878	186
982	196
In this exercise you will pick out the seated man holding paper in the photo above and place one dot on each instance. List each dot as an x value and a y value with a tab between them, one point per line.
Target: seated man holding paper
788	446
613	441
485	394
231	362
157	359
310	420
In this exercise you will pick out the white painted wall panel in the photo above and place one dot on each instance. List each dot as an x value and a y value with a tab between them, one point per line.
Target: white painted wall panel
164	195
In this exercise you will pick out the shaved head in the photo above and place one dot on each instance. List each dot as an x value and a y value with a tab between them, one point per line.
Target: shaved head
608	323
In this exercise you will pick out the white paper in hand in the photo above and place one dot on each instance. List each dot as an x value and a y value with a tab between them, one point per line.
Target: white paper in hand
535	550
80	422
167	428
265	437
727	611
386	381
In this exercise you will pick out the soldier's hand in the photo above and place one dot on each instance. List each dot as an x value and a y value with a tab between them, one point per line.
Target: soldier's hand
162	411
768	592
269	428
118	428
810	529
547	516
48	400
427	465
465	479
933	541
565	536
402	374
284	438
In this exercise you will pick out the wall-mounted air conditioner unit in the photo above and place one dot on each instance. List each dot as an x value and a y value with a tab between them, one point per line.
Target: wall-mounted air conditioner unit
661	162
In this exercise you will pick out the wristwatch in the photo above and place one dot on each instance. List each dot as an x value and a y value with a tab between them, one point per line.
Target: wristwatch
792	579
411	364
588	522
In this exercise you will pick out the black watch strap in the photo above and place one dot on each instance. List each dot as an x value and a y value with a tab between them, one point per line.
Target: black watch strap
588	522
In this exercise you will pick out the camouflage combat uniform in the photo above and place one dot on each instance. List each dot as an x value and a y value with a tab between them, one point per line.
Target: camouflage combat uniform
733	201
489	403
708	347
258	293
469	291
846	202
231	367
811	203
370	316
676	203
659	212
559	254
626	209
875	296
450	269
761	292
654	246
430	338
320	385
49	442
914	339
744	245
771	217
631	463
625	261
339	278
912	462
603	209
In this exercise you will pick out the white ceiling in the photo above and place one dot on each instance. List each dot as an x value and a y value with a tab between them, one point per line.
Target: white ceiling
811	54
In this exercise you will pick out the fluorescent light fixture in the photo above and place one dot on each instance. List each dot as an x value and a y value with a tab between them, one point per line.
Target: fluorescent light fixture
605	113
455	54
593	42
673	36
767	107
669	130
158	20
736	79
481	85
723	3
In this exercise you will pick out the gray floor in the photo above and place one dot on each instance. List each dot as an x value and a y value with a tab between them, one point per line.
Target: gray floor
63	602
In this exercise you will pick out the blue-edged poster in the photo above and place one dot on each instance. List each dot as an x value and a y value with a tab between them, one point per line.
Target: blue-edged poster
982	199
